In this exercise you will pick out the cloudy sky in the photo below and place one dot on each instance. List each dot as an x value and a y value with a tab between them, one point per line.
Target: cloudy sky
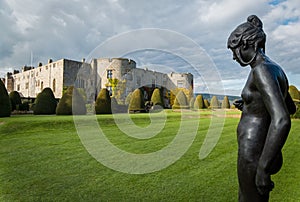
33	31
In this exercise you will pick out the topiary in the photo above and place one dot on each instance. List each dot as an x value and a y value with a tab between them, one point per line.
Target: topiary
127	100
206	103
214	103
5	105
15	100
199	102
192	103
45	102
137	101
225	103
180	101
103	102
294	93
71	103
297	114
156	98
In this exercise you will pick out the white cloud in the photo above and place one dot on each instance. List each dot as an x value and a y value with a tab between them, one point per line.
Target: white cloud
72	29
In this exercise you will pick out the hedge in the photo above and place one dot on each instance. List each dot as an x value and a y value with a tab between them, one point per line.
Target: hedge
5	105
103	102
71	103
45	102
137	101
15	100
180	101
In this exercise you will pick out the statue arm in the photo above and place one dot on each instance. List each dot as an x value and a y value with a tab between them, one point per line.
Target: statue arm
290	104
268	85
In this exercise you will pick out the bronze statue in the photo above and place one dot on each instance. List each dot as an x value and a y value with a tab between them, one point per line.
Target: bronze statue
266	107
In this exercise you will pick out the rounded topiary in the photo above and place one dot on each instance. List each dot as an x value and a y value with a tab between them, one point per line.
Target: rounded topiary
103	102
45	102
225	103
294	93
180	101
214	103
199	102
15	100
136	102
5	105
71	103
156	98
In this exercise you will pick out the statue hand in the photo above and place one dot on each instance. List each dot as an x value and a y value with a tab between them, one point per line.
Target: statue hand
263	182
238	104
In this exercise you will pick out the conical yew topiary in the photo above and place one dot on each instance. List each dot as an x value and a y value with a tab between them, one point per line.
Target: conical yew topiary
225	103
199	102
45	102
71	103
103	102
180	101
156	98
206	103
137	101
294	93
214	103
15	100
5	105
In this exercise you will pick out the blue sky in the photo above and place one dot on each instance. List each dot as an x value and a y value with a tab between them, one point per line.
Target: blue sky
34	31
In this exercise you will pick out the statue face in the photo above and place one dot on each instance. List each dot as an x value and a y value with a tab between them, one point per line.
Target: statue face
237	56
244	54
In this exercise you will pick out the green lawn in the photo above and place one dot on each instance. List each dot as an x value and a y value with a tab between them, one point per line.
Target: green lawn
43	159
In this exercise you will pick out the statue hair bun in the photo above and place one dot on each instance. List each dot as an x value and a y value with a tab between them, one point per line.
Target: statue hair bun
254	20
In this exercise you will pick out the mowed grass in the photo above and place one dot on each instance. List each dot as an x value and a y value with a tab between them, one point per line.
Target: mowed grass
43	159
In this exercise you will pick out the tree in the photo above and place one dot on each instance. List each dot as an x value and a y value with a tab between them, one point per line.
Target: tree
180	101
5	105
199	102
45	102
294	92
214	103
71	103
103	102
15	100
137	101
225	103
156	97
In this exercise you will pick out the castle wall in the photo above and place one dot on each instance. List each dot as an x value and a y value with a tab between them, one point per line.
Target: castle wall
94	76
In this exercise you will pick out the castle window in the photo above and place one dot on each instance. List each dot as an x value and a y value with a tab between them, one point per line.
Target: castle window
180	84
153	83
18	87
54	65
26	85
42	85
109	74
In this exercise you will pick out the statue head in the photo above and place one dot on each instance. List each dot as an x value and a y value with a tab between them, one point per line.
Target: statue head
247	34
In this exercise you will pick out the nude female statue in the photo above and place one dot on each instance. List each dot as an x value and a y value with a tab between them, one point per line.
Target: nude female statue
266	107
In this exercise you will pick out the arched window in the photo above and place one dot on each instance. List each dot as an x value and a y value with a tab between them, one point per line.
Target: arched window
53	85
42	85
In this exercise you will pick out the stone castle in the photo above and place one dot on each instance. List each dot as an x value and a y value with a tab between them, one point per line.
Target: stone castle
119	75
